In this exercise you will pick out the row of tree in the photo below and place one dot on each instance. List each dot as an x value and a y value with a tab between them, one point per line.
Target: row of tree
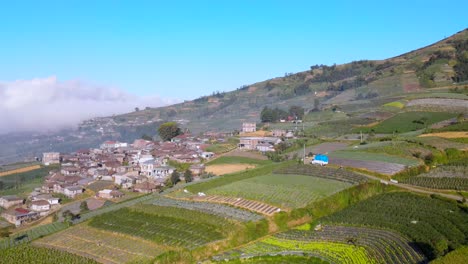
276	114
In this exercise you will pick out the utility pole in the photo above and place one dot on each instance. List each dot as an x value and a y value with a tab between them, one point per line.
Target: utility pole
361	136
304	154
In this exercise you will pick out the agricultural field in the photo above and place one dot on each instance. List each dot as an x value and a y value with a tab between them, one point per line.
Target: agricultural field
283	190
221	148
31	234
440	103
228	168
441	143
461	134
327	147
254	206
331	252
175	227
19	170
382	245
323	172
220	210
407	121
380	157
19	183
102	246
442	177
30	254
278	259
396	148
434	225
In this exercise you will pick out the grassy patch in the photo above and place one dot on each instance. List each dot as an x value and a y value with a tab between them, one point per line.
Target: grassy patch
459	255
29	254
396	104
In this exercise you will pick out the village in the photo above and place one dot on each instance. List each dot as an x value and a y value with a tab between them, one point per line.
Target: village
117	171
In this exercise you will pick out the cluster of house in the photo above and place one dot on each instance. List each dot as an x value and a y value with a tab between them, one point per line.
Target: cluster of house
141	166
261	143
19	213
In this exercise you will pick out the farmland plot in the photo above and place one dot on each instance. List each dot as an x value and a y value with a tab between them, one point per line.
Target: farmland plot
286	191
103	246
435	226
210	208
168	226
254	206
328	147
449	104
375	166
444	177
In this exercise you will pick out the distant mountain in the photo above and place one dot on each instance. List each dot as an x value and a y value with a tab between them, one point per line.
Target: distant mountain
348	85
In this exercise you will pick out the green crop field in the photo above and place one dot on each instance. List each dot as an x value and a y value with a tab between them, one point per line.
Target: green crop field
165	225
29	254
102	245
284	190
434	225
329	251
408	121
443	177
279	259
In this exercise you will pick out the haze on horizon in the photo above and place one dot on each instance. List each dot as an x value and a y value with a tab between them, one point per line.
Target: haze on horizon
66	61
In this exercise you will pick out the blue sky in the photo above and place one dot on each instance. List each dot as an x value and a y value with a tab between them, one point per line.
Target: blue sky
185	49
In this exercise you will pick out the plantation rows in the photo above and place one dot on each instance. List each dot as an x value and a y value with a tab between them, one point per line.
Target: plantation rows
165	230
210	208
382	246
111	208
448	183
100	245
434	225
29	254
255	206
327	251
324	172
448	171
31	234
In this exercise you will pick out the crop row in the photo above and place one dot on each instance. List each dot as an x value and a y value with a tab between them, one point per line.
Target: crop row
31	234
383	246
324	172
167	230
210	208
29	254
434	225
447	183
448	171
328	251
254	206
101	245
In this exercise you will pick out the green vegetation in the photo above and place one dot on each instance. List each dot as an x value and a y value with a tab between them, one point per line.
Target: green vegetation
166	225
458	256
436	226
396	104
17	183
324	172
221	148
230	178
169	130
31	234
286	259
443	177
408	121
291	191
29	254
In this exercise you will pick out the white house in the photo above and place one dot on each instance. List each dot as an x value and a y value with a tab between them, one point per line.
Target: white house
249	127
40	206
46	197
72	191
10	200
50	158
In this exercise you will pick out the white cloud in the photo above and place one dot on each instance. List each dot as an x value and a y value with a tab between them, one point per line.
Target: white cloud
48	104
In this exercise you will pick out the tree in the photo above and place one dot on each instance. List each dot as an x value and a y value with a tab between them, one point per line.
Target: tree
175	177
146	137
296	111
169	130
188	176
460	118
137	109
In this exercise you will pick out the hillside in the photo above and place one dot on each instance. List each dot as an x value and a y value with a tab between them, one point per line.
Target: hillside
358	87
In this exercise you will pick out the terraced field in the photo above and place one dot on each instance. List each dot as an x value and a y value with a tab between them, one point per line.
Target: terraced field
328	251
448	104
169	226
282	190
324	172
434	225
102	246
383	246
210	208
254	206
443	177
